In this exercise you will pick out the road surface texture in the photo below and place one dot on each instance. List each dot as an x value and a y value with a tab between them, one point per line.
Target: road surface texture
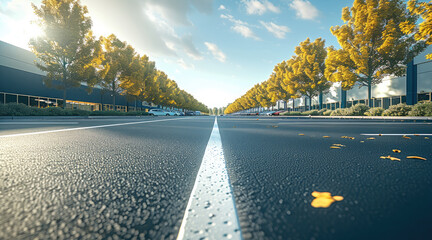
274	170
132	178
118	182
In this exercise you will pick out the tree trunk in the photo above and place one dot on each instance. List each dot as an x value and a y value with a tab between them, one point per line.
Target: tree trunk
320	99
370	92
310	103
293	104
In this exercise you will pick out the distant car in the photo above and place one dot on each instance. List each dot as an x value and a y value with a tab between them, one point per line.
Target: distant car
190	113
277	113
270	113
160	112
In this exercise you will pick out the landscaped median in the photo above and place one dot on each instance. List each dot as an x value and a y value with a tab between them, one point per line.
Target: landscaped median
423	109
13	109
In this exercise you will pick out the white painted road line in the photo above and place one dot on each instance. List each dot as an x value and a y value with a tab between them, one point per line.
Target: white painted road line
84	128
396	134
211	212
37	123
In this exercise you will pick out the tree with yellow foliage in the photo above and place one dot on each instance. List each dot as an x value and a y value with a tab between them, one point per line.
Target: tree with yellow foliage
422	31
305	73
373	44
68	50
117	59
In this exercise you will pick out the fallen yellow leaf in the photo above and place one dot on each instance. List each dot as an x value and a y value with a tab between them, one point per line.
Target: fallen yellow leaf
338	198
301	134
324	199
426	138
416	157
334	147
371	138
416	135
396	150
352	138
362	141
406	137
390	157
380	134
339	145
326	136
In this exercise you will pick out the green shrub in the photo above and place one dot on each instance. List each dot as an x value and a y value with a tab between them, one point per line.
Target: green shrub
421	109
311	112
293	113
400	109
338	112
322	111
356	110
328	112
15	109
376	111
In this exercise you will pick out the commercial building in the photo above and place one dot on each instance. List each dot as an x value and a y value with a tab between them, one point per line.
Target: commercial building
415	86
22	82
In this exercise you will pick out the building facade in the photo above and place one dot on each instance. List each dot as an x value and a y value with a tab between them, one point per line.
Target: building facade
22	82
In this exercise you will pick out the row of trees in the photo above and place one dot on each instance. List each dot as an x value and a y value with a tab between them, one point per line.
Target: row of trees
71	55
216	111
378	39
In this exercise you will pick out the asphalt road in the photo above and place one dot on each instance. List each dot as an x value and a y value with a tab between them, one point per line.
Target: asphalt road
132	177
274	170
119	182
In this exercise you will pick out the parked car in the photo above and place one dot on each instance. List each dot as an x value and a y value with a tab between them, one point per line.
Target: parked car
160	112
190	113
270	113
277	113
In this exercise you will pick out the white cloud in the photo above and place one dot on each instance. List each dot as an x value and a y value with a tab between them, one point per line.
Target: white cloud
278	31
304	9
245	31
240	27
218	54
151	26
185	65
222	7
260	7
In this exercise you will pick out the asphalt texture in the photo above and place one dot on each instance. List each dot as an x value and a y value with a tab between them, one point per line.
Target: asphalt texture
274	170
134	181
121	182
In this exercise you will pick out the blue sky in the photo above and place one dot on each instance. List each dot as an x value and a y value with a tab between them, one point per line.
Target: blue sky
214	49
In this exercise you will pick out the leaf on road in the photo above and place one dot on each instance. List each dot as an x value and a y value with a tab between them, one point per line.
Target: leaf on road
275	126
406	137
324	199
344	137
335	147
416	157
380	134
338	145
396	150
362	141
426	138
390	157
326	136
371	138
301	134
352	138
